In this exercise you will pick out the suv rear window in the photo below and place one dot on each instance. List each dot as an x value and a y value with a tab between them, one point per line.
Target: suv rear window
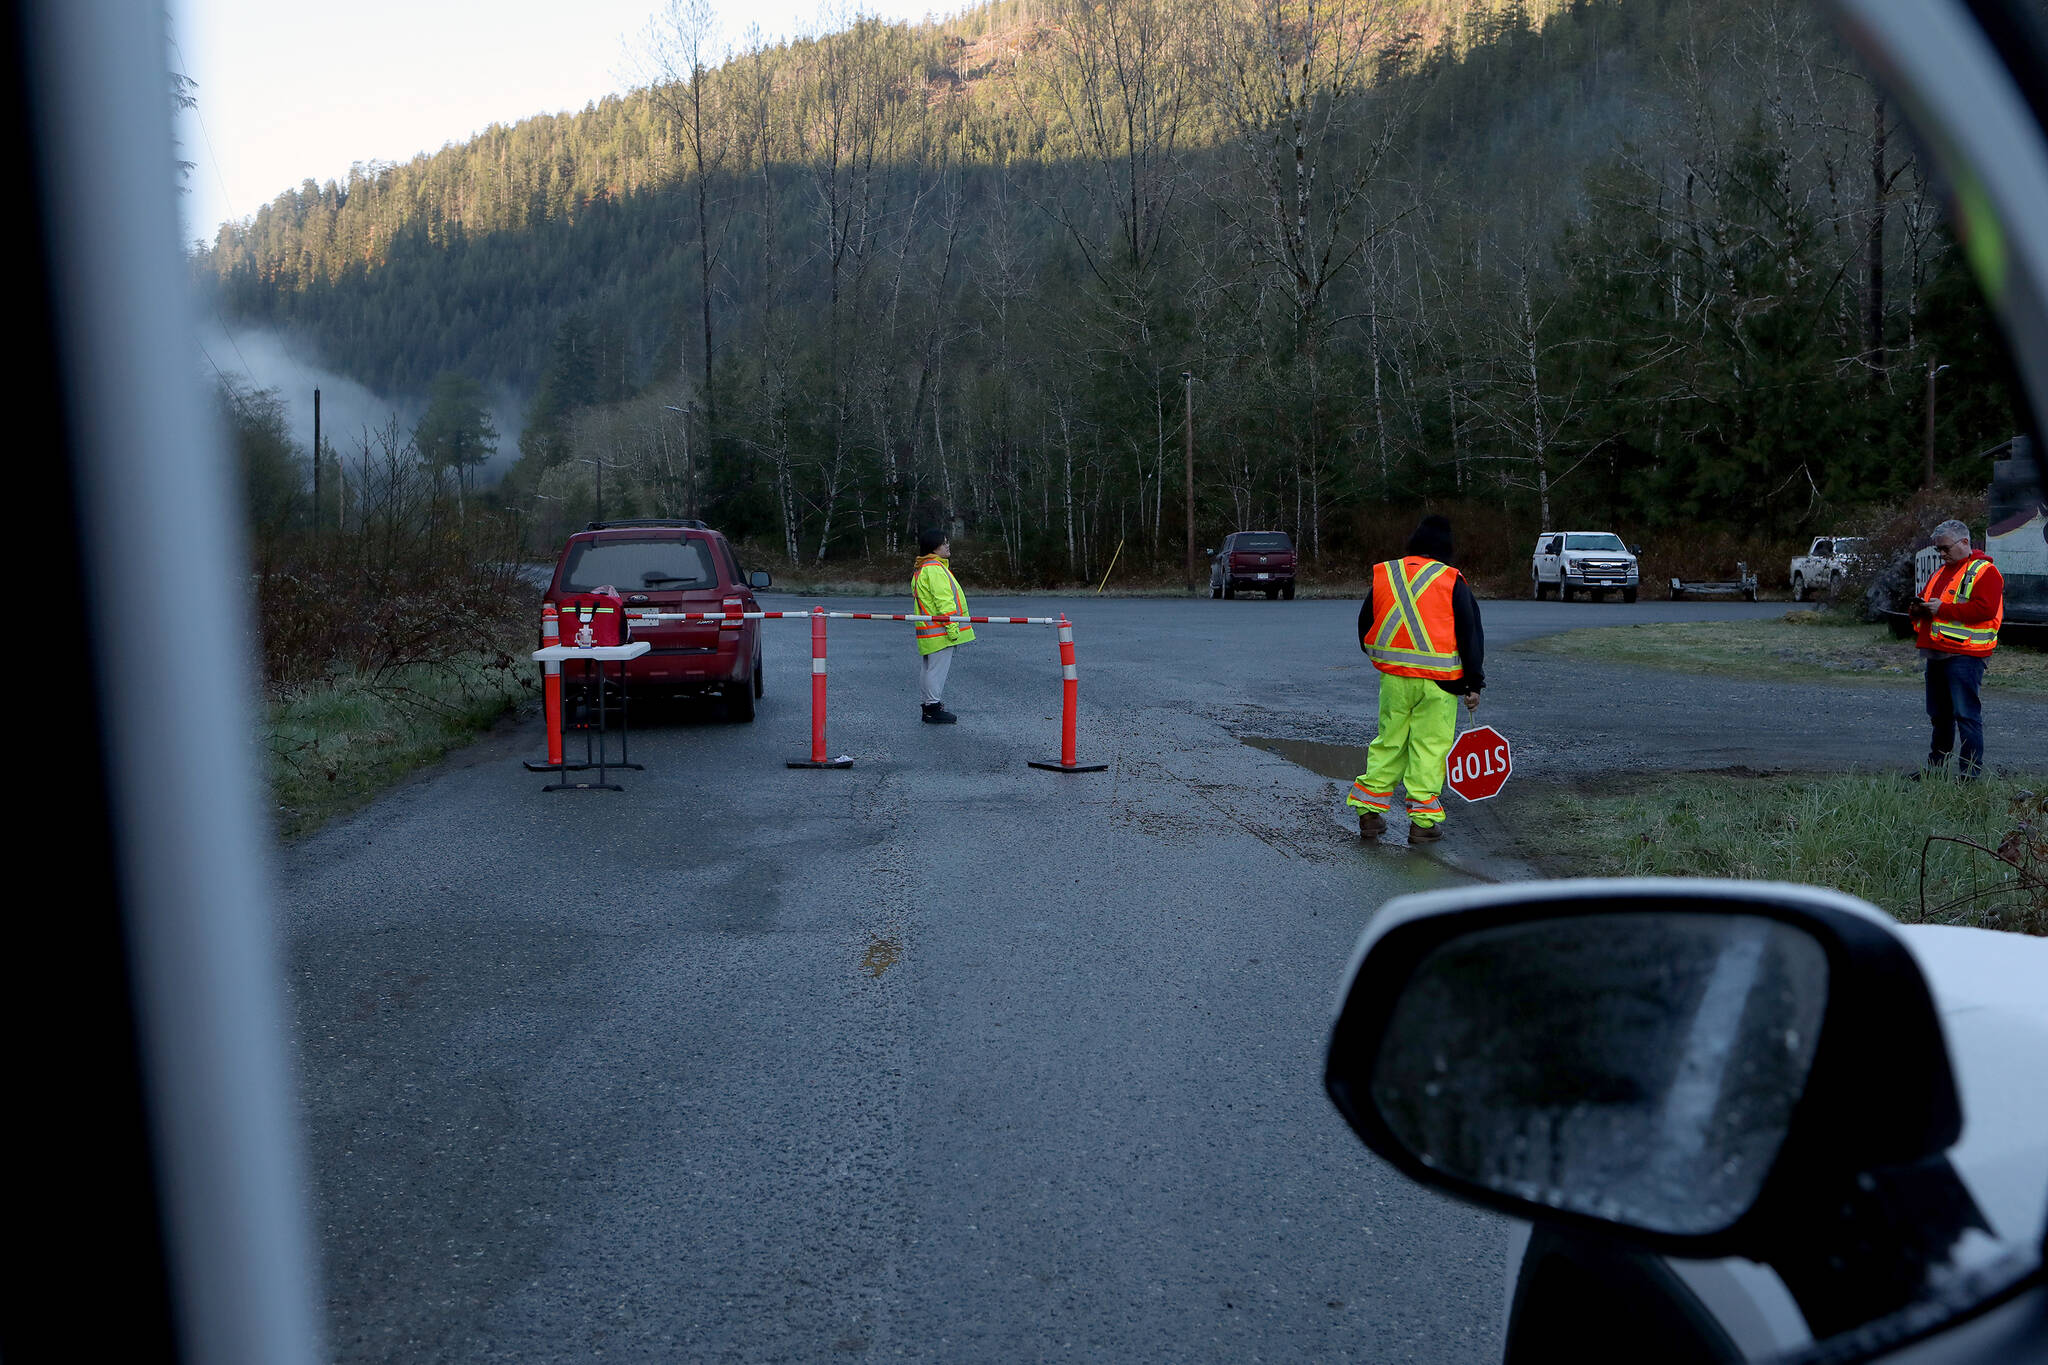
665	565
1263	540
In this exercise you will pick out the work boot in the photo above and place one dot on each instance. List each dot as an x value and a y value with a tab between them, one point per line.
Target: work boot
935	713
1371	824
1424	834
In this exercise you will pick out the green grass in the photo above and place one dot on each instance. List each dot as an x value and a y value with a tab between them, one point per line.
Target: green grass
1803	646
331	747
1863	834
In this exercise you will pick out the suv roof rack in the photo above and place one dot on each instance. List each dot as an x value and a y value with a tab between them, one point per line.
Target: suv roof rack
680	523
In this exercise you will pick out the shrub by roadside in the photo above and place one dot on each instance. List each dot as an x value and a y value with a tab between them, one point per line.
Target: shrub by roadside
388	644
1859	833
331	746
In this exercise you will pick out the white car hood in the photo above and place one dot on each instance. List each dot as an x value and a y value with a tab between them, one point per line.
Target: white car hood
1991	989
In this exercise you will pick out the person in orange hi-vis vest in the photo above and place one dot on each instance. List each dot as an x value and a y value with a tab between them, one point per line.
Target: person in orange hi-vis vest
1955	623
936	592
1420	627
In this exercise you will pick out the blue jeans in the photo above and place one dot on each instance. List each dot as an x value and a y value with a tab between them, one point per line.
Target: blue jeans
1952	704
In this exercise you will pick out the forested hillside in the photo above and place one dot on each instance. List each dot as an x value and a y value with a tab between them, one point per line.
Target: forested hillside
1648	263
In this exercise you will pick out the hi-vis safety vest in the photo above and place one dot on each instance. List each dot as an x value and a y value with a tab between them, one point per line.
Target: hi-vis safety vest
1413	634
935	592
1955	637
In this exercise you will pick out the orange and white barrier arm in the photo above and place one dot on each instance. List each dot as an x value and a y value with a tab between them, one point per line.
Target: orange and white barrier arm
838	616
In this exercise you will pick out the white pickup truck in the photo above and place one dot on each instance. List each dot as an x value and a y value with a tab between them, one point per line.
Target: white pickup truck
1592	562
1819	572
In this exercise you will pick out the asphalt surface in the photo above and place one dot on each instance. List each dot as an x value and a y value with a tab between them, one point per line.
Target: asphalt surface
939	1056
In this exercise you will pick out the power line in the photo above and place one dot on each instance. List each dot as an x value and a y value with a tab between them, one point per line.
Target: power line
227	385
227	202
246	369
226	199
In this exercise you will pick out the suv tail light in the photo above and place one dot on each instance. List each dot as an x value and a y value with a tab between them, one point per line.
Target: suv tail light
733	607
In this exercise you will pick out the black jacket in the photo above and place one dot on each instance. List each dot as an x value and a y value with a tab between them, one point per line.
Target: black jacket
1471	637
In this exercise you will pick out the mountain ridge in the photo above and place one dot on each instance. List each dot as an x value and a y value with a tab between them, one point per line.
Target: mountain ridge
1615	263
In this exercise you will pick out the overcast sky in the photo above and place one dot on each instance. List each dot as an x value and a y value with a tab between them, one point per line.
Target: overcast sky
289	91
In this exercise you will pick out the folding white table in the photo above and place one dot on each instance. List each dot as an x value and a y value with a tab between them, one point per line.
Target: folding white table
597	656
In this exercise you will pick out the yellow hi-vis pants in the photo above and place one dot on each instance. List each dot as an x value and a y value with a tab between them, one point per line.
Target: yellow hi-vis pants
1418	725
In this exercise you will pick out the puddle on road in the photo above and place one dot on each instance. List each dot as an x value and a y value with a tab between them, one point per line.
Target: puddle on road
883	953
1341	761
1488	857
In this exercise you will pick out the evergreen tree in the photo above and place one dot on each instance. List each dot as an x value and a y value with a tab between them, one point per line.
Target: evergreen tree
457	433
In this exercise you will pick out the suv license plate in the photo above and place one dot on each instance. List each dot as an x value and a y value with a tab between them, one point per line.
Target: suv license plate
1263	575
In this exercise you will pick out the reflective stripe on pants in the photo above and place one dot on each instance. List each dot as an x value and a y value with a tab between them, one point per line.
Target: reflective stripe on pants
1418	725
1364	798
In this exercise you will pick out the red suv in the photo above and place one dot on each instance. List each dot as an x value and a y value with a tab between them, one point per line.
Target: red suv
672	566
1262	561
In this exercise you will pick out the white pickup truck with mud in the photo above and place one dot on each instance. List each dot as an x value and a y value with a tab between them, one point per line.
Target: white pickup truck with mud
1820	571
1592	562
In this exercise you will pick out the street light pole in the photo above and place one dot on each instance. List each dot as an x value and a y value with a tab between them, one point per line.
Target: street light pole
1932	370
1188	382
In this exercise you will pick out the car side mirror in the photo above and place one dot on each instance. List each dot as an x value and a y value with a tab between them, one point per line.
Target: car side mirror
1635	549
760	578
1686	1063
1211	554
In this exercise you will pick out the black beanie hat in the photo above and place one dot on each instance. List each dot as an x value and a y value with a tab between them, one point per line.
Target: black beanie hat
1432	539
930	539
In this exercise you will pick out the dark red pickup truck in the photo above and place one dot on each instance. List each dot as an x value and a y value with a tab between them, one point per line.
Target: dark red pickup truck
1258	561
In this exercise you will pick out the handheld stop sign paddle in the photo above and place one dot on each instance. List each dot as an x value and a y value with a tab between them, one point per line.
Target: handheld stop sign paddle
1479	763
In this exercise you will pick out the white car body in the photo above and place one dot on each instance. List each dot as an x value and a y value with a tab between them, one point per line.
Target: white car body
1991	988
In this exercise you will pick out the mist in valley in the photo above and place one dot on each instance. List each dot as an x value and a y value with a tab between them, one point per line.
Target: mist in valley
352	416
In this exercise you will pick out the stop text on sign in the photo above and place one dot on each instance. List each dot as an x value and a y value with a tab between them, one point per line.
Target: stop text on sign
1485	763
1479	763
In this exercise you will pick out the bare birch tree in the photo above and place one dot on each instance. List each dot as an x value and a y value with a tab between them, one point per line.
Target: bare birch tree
684	49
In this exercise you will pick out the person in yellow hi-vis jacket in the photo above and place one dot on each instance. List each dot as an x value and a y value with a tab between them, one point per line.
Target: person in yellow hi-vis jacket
937	593
1420	627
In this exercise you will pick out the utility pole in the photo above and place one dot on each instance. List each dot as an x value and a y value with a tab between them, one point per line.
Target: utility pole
598	465
316	462
1187	378
1932	370
689	463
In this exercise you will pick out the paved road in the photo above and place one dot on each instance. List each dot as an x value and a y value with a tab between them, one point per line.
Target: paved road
936	1057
